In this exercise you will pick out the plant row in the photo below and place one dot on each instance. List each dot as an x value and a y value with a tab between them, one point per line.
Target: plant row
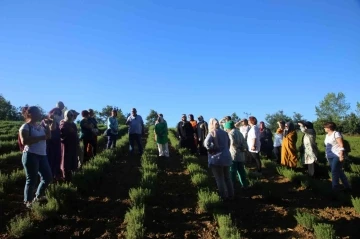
139	196
61	196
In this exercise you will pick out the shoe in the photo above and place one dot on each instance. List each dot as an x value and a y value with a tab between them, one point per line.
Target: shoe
28	204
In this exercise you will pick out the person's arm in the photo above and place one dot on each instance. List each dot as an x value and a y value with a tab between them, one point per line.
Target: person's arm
128	121
208	141
340	142
142	126
232	140
179	131
29	140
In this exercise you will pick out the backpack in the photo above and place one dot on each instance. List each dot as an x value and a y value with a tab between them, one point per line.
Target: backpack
21	146
346	144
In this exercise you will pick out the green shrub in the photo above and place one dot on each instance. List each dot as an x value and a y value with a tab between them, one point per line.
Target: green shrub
134	220
195	168
14	156
306	219
148	179
48	210
324	231
148	166
199	179
269	164
254	182
227	230
293	176
356	204
208	200
17	177
20	226
64	193
354	179
184	151
8	146
139	195
355	168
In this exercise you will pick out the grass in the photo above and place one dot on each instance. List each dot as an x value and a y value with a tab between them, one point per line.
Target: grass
324	231
306	219
355	168
356	204
293	176
45	211
10	157
139	195
208	200
195	168
64	193
227	230
134	220
20	226
199	179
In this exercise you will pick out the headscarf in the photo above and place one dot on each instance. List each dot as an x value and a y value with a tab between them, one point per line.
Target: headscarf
279	131
229	125
290	126
66	116
262	126
160	119
213	125
200	118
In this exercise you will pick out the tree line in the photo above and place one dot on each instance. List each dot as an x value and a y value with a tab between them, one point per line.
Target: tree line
333	107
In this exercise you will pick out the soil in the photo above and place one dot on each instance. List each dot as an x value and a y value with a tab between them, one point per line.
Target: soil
172	212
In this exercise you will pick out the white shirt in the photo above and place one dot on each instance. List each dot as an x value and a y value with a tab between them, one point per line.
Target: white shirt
39	147
332	148
254	133
244	129
278	140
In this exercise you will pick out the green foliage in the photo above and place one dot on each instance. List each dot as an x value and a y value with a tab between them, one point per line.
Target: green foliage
227	230
354	179
64	193
174	141
333	107
139	195
48	210
324	231
355	168
290	174
195	168
134	220
148	179
208	200
10	157
268	164
306	219
20	226
356	204
7	110
8	146
199	179
16	177
151	118
272	119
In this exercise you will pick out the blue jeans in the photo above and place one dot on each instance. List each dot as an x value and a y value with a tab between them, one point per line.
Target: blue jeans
111	141
239	169
35	165
137	138
337	173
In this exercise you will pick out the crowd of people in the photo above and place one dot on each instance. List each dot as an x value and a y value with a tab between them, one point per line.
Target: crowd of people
51	146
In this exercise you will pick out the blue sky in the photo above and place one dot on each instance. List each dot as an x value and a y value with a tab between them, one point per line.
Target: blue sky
201	57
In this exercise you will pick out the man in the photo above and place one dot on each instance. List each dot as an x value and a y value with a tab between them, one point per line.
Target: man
202	132
136	130
60	105
186	134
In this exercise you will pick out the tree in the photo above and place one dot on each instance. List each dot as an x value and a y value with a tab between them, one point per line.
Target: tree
234	117
151	118
351	124
272	119
106	113
357	109
7	110
297	117
332	108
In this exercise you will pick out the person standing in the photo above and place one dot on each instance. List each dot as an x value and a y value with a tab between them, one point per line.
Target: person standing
86	135
95	130
193	123
136	130
69	145
60	105
278	137
112	129
288	149
186	134
219	159
161	135
308	148
202	132
266	141
237	150
334	152
253	142
33	138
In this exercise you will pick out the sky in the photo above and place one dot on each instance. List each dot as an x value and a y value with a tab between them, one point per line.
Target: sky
209	58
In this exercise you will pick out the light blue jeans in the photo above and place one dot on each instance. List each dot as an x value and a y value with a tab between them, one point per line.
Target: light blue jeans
223	180
337	173
35	165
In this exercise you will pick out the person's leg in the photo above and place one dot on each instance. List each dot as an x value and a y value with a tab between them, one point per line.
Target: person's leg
256	157
218	173
31	167
109	143
242	174
45	176
138	142
334	162
233	171
228	182
114	138
131	142
166	150
161	150
94	145
342	175
311	169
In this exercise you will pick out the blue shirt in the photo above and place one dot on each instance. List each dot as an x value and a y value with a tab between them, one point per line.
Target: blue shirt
136	124
112	124
222	156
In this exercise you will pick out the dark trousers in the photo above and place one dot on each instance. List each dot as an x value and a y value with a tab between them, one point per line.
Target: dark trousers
256	157
111	141
188	143
87	154
277	153
202	149
137	138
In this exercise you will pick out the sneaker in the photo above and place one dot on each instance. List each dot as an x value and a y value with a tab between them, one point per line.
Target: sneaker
28	204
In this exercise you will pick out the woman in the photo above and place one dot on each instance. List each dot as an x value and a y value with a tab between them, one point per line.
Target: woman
53	145
308	148
253	142
86	135
193	123
278	137
288	149
112	126
219	158
237	151
202	132
95	131
334	151
161	134
266	141
69	145
33	136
